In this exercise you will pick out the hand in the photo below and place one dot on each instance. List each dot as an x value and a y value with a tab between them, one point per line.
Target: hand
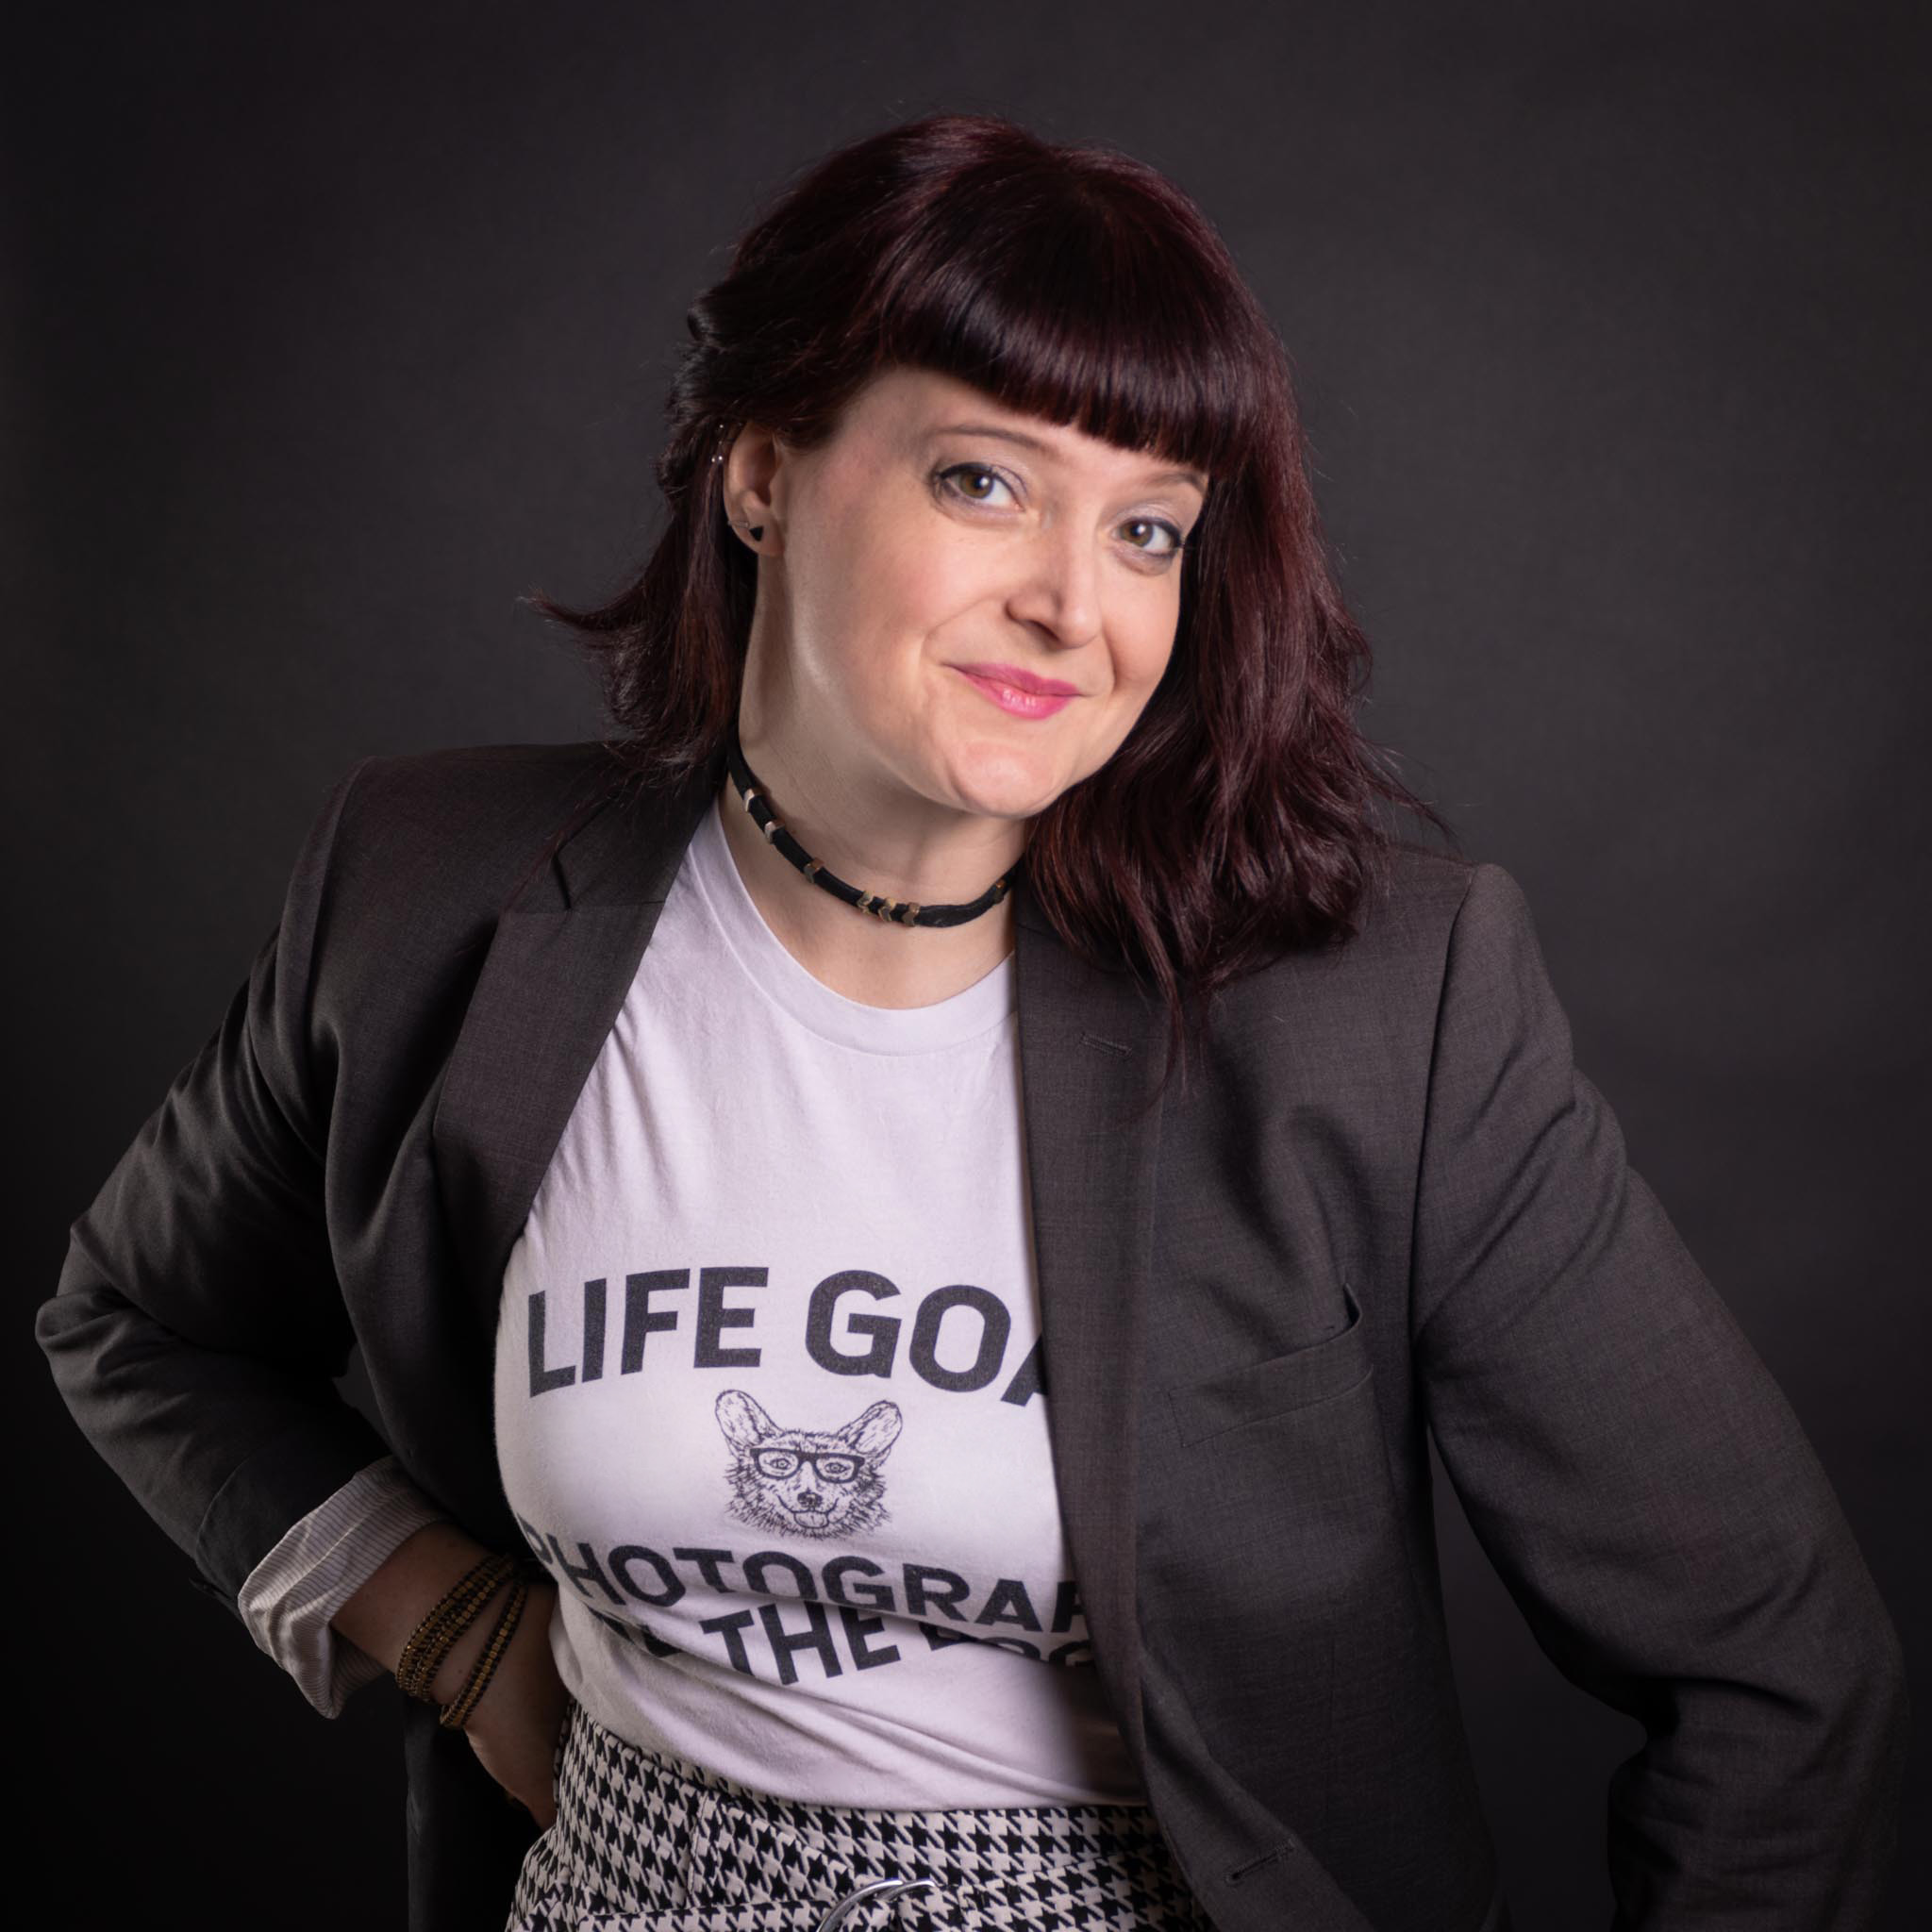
516	1723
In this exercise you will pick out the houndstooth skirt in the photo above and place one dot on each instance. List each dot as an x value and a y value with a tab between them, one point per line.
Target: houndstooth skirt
647	1843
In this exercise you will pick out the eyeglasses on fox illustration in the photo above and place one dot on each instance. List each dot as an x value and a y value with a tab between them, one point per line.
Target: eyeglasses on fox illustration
827	1466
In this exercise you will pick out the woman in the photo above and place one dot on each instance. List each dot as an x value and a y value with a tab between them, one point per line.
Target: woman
863	1444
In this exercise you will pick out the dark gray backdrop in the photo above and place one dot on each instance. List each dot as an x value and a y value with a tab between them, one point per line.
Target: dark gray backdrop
330	336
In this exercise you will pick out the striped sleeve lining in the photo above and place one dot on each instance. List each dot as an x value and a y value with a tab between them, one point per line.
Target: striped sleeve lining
291	1595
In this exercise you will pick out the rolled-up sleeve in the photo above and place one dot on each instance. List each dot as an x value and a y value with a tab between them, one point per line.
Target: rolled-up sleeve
1639	1481
291	1596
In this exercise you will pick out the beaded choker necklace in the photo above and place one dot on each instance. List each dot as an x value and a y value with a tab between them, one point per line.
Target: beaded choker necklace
898	911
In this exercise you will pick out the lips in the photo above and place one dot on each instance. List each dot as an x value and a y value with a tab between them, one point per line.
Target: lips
1013	700
1017	679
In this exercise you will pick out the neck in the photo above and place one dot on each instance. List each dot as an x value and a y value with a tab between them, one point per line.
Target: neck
867	959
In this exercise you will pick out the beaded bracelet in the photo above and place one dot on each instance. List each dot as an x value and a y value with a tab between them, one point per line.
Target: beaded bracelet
455	1713
431	1640
459	1605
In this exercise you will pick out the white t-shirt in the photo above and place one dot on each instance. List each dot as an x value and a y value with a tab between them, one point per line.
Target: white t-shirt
768	1390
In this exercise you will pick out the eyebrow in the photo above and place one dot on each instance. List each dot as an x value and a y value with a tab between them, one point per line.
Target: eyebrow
1193	477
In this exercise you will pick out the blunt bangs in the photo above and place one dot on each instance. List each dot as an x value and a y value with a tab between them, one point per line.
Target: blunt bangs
1064	304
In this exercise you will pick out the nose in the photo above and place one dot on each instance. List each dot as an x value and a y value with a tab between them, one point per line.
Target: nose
1060	589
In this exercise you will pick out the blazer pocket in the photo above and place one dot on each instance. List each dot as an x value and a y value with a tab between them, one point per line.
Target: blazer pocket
1317	1371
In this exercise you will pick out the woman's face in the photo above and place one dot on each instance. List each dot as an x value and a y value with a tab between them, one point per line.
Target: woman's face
938	529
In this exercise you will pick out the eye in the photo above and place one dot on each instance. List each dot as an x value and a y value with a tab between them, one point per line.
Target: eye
837	1469
978	471
986	479
776	1462
1175	541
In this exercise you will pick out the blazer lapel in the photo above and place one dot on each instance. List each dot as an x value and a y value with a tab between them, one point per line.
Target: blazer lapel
559	964
1090	1048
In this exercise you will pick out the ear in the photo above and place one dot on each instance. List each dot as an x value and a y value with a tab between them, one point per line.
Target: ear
874	1432
743	1421
754	484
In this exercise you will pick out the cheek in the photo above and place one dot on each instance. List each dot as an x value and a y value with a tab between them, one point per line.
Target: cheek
1145	649
869	581
924	574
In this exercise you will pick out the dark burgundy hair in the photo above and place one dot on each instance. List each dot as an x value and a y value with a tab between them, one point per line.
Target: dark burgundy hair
1077	283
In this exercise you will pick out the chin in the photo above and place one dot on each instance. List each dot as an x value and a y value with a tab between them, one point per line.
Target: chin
1017	801
997	785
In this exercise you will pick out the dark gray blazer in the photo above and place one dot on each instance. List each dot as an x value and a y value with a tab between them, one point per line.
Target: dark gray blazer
1385	1203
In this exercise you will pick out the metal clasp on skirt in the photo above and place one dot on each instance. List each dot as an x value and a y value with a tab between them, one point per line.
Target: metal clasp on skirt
879	1889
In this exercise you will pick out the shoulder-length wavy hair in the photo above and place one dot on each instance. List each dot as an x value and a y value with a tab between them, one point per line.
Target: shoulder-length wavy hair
1077	284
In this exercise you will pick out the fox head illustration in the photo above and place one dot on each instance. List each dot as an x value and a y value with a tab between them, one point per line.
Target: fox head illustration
816	1482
